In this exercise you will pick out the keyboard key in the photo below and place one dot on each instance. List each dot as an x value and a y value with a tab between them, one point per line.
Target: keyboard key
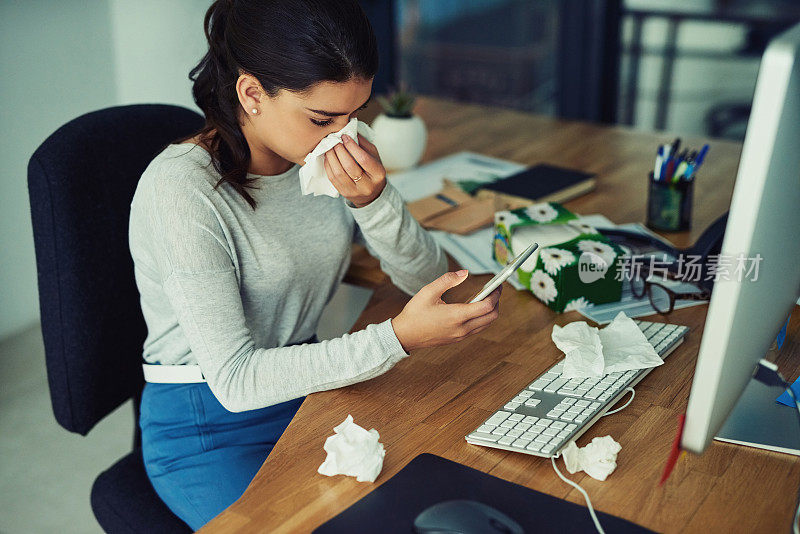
563	434
519	399
516	417
574	409
550	431
538	385
570	392
530	419
485	437
582	404
555	385
508	424
521	443
568	416
523	426
594	405
525	393
485	428
580	418
558	425
499	431
534	446
512	405
568	401
545	422
547	449
542	439
506	441
529	435
571	427
514	433
498	418
593	394
532	403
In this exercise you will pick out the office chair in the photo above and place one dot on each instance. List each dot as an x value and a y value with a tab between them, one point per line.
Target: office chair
81	182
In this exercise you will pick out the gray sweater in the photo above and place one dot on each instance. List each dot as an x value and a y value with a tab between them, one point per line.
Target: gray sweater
226	287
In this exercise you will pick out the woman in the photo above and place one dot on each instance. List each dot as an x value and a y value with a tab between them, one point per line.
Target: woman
234	265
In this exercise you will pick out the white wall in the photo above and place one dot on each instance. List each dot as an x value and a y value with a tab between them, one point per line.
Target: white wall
59	60
156	44
56	64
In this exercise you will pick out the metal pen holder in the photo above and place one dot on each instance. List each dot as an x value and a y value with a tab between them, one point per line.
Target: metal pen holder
669	205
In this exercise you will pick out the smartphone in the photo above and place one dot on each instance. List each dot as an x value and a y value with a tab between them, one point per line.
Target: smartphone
492	284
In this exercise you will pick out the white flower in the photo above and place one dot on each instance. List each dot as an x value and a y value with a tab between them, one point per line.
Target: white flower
583	227
577	304
543	286
604	251
542	212
555	258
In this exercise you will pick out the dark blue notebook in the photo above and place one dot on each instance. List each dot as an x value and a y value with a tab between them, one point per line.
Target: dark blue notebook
544	183
429	479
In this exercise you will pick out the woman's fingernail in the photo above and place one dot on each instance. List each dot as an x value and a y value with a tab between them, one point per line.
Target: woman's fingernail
462	272
346	137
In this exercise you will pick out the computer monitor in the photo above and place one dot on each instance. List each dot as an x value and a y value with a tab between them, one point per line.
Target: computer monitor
745	316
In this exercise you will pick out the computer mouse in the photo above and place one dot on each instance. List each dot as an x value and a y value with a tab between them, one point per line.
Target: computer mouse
464	517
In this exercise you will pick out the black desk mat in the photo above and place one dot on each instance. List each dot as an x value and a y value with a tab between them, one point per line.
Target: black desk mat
429	479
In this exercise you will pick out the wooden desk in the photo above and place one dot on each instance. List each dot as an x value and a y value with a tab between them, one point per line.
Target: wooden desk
430	400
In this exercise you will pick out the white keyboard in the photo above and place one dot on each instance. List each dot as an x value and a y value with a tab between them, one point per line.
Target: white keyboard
552	411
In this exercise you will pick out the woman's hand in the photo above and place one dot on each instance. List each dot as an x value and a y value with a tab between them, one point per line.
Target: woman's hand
428	321
356	171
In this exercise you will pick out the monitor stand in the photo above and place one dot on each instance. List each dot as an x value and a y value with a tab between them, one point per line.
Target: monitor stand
758	421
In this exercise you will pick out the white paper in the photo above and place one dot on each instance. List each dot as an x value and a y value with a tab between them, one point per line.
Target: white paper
597	459
313	177
428	178
353	451
589	352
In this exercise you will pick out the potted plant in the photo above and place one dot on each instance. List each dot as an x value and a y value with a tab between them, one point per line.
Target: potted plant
400	136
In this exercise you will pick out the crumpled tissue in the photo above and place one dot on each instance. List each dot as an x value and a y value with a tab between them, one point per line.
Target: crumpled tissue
353	451
589	352
313	178
597	459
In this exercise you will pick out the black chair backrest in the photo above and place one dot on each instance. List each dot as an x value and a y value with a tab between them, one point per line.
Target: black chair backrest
81	181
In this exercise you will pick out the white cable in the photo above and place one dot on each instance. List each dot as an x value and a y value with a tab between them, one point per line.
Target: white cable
633	394
585	496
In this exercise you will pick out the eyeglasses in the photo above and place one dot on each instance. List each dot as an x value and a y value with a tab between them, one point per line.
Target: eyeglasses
662	298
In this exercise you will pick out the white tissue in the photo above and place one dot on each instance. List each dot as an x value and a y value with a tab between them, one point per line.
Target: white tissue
353	451
620	346
597	459
625	347
313	178
582	348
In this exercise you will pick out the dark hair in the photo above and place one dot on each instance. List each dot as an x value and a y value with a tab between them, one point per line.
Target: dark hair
285	44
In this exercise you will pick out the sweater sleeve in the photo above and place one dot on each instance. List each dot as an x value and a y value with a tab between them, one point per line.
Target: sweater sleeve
200	280
406	251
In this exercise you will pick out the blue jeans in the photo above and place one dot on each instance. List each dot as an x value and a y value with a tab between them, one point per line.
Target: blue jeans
199	456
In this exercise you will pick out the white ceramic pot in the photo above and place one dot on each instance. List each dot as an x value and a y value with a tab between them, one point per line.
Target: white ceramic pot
400	141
